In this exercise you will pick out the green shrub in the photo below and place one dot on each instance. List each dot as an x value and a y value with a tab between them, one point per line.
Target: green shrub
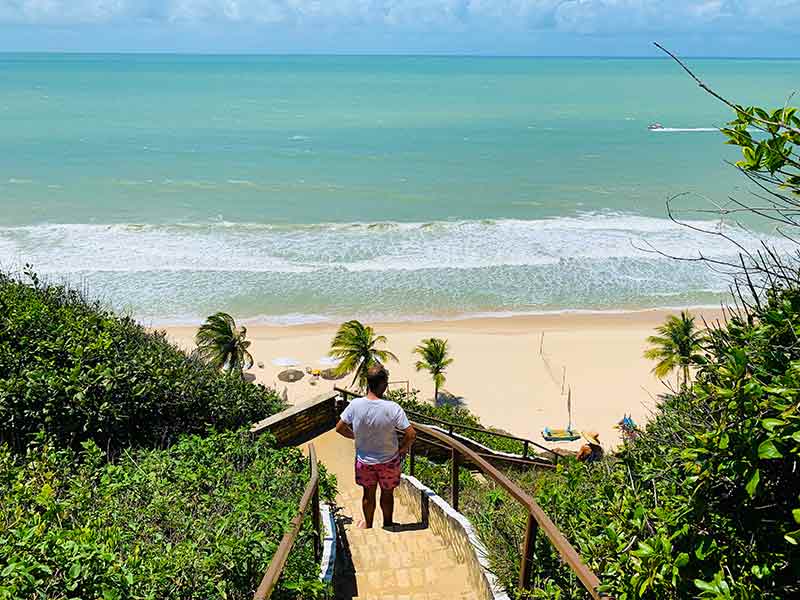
201	519
458	415
76	371
705	503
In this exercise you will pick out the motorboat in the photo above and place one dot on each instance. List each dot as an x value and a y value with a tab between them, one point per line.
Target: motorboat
655	126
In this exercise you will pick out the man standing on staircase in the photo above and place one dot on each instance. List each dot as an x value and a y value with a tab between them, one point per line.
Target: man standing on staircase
373	423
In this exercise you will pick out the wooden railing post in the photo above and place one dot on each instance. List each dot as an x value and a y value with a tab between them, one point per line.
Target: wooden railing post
456	460
525	449
315	519
537	519
529	545
310	497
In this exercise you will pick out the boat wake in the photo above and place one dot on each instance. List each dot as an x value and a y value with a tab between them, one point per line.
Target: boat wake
680	129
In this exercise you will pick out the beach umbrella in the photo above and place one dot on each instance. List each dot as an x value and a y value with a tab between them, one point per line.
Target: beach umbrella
330	375
285	361
329	361
290	375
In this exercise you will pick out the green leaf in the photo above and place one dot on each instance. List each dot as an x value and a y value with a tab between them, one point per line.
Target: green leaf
796	514
705	586
770	424
767	450
75	570
752	485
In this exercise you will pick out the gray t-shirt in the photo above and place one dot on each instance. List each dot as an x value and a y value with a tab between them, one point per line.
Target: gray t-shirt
374	423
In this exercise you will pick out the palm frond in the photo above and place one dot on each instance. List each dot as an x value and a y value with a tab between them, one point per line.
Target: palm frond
678	345
223	345
434	358
356	347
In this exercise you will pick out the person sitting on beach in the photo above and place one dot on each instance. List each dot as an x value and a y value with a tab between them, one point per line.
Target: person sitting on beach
592	451
373	422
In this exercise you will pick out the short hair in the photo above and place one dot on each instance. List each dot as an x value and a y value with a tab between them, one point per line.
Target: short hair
377	379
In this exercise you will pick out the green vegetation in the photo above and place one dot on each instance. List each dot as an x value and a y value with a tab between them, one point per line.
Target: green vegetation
76	371
201	519
356	346
676	347
434	358
223	345
426	412
126	468
705	502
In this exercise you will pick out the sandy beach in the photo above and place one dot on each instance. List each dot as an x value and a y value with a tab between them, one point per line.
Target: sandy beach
498	370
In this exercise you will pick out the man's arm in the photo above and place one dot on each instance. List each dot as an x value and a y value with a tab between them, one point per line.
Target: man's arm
409	435
344	429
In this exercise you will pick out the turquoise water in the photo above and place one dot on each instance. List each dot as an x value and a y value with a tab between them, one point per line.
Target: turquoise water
294	189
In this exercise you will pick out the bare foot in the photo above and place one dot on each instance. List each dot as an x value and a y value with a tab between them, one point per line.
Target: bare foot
362	524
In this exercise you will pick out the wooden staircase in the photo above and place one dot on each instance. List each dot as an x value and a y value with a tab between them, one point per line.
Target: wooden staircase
373	564
411	563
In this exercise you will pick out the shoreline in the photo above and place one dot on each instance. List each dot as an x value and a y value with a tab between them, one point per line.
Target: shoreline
288	321
497	371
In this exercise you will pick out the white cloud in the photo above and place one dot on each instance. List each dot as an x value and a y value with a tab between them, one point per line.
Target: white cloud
583	16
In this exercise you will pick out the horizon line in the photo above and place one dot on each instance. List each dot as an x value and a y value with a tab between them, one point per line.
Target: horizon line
382	55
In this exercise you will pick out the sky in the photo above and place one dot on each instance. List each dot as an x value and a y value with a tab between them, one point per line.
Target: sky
766	28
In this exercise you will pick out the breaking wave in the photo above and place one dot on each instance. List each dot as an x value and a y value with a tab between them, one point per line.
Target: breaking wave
592	261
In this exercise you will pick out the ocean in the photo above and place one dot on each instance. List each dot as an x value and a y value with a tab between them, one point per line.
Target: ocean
295	189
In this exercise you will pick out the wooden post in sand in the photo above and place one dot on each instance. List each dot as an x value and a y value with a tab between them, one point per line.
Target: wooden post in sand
569	408
541	343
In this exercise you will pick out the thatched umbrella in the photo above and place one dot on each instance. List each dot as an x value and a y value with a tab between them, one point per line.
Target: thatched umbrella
330	375
290	375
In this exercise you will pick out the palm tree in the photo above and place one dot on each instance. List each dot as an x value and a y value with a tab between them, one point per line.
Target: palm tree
355	345
676	347
222	344
434	360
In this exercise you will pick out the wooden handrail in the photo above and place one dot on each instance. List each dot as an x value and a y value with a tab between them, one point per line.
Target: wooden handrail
537	518
452	426
568	554
526	442
513	460
310	496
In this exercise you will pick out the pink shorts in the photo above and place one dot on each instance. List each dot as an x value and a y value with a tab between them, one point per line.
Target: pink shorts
387	475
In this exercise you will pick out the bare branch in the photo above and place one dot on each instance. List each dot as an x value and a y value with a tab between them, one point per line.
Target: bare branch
738	109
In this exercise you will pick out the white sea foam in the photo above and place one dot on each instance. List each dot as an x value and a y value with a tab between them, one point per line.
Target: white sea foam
316	273
357	247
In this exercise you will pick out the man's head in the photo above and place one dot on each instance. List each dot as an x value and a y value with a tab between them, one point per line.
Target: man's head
377	380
